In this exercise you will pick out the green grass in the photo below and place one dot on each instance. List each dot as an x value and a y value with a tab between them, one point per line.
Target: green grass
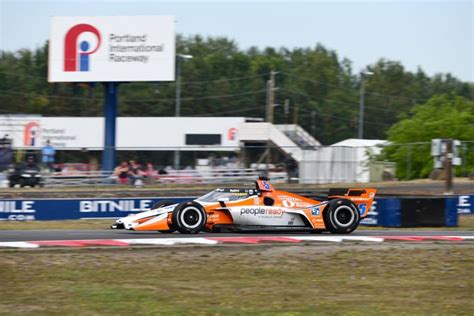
466	222
433	279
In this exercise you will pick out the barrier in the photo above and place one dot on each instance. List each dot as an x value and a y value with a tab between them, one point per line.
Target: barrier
419	211
64	209
389	212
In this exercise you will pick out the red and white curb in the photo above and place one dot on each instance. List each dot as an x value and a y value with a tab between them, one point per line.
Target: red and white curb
224	240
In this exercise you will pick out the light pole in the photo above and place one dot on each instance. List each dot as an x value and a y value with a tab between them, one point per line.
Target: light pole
177	153
360	126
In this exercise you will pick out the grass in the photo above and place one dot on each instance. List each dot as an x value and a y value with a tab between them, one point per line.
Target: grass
466	222
358	279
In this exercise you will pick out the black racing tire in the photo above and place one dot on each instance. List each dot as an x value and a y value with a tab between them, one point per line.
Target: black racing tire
189	217
341	216
163	203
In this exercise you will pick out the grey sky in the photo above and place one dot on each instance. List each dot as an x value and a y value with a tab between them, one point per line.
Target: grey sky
436	35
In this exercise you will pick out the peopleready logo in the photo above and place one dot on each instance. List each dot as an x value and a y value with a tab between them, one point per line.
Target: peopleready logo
74	60
261	211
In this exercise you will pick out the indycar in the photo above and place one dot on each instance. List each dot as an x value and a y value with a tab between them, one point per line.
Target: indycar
252	209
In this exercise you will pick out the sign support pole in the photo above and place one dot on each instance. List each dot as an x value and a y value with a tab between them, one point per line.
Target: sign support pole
110	115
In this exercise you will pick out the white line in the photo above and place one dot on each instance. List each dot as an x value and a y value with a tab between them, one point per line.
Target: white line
320	238
169	241
18	244
364	238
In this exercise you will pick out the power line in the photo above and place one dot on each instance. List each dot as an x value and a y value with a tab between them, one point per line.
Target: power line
352	89
341	102
135	100
154	83
232	111
199	98
184	83
345	118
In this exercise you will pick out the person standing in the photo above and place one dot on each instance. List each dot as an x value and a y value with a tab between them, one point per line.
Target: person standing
48	153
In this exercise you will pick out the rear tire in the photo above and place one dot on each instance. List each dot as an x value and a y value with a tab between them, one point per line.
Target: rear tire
189	217
341	216
164	203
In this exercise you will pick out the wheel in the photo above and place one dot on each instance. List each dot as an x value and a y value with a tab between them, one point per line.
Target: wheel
341	216
162	204
22	183
11	184
189	217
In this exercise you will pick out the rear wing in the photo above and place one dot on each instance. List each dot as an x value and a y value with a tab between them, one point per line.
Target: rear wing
363	198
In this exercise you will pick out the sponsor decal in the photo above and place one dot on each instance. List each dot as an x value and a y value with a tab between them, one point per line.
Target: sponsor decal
31	133
231	133
266	185
289	201
464	205
315	211
362	208
17	207
112	206
256	211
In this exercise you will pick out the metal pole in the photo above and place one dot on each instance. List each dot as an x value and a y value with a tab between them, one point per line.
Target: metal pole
110	114
360	133
270	105
448	167
177	153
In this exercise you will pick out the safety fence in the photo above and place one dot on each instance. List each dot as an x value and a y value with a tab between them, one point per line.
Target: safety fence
374	161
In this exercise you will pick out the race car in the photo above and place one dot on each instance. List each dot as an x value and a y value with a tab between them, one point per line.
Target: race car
258	208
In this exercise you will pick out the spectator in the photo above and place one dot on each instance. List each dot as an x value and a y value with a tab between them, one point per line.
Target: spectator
135	174
48	153
121	172
30	163
150	173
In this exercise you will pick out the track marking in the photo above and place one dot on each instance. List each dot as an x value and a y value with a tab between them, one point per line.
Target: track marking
221	240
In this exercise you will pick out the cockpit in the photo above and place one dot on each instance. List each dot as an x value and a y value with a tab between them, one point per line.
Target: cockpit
228	194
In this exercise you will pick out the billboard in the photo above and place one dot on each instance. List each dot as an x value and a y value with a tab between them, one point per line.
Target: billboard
114	48
146	133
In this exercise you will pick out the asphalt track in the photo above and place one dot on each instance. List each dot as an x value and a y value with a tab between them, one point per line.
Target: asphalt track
35	235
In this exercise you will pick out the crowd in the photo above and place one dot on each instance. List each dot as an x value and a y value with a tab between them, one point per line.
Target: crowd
135	174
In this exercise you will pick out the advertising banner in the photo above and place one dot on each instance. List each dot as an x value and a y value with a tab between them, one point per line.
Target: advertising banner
112	48
146	133
65	209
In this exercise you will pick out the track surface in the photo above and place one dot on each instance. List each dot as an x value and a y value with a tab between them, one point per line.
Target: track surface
34	235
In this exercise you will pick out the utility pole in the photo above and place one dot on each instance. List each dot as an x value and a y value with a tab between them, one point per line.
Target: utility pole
270	104
270	96
295	114
179	58
286	108
360	126
313	123
448	167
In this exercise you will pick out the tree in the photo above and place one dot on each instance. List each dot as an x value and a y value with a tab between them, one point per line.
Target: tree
442	116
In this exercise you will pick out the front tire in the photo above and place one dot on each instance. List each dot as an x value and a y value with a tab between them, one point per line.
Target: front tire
341	216
189	217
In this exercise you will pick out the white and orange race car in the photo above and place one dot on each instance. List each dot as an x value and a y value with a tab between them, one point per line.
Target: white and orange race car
259	208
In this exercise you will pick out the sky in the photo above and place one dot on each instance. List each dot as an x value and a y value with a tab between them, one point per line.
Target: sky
434	35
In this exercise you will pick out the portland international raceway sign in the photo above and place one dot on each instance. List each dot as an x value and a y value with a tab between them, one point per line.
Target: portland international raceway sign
115	48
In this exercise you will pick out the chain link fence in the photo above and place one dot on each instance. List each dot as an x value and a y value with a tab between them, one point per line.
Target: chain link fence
211	164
